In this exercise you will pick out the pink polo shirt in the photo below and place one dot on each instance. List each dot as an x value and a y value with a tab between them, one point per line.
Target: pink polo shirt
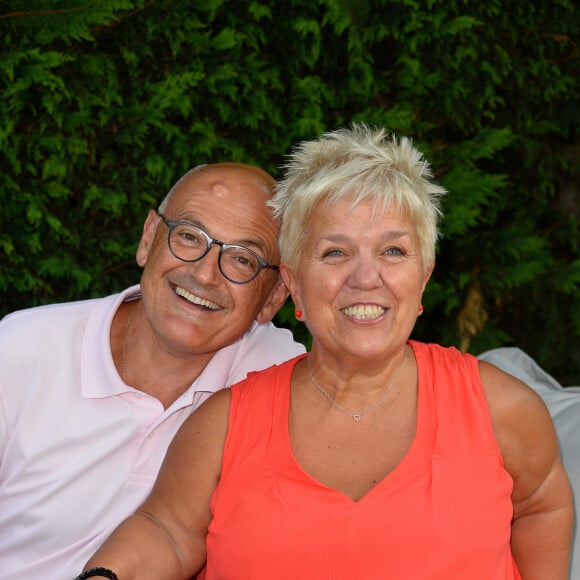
79	449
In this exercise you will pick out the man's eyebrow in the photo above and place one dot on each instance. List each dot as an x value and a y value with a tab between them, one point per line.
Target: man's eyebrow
246	242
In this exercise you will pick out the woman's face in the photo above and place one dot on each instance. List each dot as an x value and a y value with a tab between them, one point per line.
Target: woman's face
360	279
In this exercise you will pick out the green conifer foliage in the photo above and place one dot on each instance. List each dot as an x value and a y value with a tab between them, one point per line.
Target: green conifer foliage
104	104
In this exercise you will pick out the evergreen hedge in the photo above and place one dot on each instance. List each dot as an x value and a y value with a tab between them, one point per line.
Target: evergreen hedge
105	104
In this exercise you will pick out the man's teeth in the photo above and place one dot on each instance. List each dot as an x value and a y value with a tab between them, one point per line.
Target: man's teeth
364	312
195	299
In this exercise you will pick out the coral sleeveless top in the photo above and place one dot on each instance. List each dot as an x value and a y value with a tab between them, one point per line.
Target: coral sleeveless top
444	513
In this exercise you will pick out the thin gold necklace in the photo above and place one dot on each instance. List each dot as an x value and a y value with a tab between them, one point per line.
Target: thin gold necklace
355	416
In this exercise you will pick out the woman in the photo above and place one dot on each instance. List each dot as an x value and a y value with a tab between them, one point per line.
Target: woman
374	456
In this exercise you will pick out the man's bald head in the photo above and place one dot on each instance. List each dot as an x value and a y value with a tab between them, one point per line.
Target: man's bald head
260	178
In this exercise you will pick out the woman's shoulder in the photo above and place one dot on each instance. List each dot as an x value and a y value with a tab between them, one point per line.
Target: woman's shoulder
273	373
508	396
436	358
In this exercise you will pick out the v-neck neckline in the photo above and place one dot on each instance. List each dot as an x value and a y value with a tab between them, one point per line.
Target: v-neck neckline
281	428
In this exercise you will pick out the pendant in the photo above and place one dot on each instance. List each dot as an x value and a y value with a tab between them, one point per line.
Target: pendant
357	416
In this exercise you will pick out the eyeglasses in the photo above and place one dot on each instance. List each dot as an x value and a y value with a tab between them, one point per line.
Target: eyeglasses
189	243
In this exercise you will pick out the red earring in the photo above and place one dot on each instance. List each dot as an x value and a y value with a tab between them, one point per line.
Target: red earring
420	309
298	313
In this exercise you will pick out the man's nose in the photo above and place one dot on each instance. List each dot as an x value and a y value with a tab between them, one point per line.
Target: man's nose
206	270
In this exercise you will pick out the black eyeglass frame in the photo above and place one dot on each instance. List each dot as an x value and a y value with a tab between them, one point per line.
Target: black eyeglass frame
172	224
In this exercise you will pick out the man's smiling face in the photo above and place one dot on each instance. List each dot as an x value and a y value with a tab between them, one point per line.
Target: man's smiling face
192	308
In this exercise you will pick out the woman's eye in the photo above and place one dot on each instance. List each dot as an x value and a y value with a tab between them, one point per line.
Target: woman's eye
394	252
333	253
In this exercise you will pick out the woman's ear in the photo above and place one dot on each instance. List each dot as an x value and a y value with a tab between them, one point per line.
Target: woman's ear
428	273
290	280
274	301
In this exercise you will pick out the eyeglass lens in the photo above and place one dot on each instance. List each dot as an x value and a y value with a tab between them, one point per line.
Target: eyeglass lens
237	263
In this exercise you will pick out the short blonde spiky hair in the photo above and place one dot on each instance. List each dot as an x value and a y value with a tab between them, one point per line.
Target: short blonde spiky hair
359	163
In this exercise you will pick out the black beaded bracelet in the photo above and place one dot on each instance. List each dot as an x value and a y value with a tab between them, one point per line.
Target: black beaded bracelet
97	572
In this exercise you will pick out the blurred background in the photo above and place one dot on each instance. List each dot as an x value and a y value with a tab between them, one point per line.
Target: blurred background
104	104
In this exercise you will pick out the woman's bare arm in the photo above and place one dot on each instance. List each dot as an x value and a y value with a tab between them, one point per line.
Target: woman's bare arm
165	538
542	498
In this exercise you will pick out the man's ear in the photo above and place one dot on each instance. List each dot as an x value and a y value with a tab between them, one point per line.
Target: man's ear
274	301
147	237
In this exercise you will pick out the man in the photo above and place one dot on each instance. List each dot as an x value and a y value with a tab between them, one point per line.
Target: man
92	392
564	406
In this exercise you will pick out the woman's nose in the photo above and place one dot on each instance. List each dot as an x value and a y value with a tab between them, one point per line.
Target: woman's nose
366	273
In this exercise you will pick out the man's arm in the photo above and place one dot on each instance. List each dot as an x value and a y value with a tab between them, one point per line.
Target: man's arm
542	498
165	538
